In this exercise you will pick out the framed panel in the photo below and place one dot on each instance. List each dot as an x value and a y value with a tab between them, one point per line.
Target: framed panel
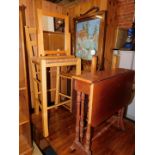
89	38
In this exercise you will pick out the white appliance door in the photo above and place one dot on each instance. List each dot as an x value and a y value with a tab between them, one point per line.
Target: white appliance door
127	60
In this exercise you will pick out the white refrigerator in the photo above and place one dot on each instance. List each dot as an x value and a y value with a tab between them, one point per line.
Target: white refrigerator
127	60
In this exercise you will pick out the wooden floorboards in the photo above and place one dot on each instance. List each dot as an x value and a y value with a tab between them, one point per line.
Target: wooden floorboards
62	133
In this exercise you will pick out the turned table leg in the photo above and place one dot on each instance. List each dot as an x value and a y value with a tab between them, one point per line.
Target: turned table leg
88	139
82	117
120	118
87	146
77	128
78	116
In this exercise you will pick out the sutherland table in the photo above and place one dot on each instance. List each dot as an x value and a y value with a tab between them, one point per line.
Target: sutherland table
109	92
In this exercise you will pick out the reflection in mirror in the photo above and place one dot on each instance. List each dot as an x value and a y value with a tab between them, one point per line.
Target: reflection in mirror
59	24
53	32
48	23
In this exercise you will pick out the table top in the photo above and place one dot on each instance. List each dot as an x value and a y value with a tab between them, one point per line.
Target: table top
101	75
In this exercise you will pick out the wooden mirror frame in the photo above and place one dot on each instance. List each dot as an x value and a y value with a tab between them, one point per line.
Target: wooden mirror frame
101	38
41	50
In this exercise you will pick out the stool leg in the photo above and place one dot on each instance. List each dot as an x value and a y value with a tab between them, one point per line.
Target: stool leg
44	98
57	85
77	128
71	95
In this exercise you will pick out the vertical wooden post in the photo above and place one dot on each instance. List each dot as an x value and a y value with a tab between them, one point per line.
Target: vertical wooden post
67	37
44	98
115	59
67	44
32	72
94	64
78	66
40	41
71	107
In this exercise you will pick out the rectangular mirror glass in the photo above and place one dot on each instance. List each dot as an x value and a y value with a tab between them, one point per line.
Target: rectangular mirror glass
53	33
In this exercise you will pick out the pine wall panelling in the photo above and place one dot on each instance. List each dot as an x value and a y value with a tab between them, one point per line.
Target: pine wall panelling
110	32
30	13
108	5
120	13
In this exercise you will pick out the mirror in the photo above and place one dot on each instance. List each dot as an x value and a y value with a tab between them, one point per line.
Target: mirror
53	33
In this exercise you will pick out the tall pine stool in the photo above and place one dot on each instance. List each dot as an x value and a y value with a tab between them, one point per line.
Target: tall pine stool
43	59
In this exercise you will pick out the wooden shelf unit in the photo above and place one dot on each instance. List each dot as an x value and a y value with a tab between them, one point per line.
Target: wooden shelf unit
25	147
25	142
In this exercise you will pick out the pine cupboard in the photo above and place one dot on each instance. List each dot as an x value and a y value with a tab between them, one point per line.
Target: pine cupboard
25	143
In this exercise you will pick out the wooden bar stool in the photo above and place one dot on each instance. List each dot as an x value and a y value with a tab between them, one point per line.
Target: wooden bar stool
39	67
43	59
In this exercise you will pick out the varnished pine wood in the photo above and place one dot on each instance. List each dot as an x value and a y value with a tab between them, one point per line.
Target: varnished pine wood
78	66
107	5
80	8
120	118
82	117
115	61
110	32
40	14
62	133
94	64
42	63
54	41
48	6
89	119
33	69
45	62
44	98
40	37
77	129
109	92
57	85
25	141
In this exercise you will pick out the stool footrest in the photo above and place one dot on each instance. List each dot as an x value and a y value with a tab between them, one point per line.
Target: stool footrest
56	105
61	94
